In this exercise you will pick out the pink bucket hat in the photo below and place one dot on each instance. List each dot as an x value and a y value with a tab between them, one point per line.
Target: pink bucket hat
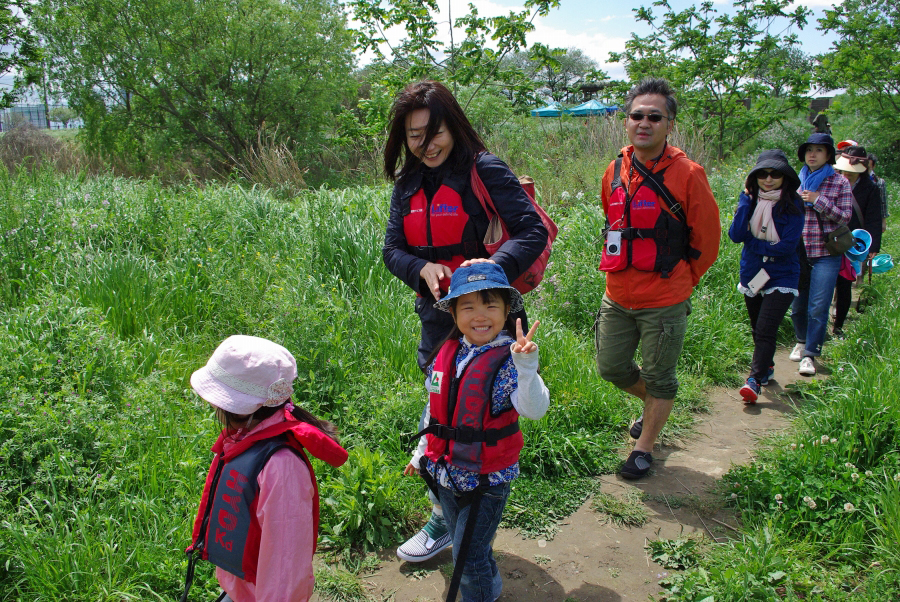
246	373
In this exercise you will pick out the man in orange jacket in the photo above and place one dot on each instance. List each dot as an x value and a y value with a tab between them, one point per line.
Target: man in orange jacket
662	235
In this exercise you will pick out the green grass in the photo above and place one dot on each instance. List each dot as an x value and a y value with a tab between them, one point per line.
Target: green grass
112	291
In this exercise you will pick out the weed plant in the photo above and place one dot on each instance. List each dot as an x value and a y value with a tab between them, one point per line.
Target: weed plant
112	291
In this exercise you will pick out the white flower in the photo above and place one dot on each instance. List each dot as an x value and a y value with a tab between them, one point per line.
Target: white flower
579	196
897	477
801	446
848	433
777	497
734	496
807	499
811	504
868	473
848	507
848	465
854	476
824	438
793	446
833	440
564	195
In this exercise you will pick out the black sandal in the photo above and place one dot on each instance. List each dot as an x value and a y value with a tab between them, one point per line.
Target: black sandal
637	465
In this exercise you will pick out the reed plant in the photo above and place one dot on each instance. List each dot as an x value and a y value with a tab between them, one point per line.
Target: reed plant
113	290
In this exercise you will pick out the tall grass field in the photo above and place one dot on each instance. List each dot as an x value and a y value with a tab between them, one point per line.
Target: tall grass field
112	291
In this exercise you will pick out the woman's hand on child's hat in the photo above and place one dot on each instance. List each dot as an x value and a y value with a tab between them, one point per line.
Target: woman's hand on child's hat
523	343
469	262
432	274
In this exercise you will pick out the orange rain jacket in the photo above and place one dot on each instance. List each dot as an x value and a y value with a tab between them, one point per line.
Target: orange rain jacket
686	180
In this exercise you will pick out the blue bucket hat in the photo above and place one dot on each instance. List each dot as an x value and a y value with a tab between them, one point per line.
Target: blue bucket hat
479	277
822	139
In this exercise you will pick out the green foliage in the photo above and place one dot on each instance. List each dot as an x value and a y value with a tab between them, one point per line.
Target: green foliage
62	115
168	79
681	553
535	507
468	60
21	54
729	69
627	511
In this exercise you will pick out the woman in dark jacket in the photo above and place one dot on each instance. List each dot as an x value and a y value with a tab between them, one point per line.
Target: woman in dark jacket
769	222
436	223
853	163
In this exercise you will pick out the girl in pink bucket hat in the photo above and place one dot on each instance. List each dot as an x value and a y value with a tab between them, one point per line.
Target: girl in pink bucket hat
259	515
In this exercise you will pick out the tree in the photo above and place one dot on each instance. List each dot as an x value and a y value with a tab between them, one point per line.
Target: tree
560	75
866	58
468	61
732	72
63	115
198	75
19	50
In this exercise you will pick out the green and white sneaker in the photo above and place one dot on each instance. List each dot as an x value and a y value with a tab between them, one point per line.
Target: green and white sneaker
425	544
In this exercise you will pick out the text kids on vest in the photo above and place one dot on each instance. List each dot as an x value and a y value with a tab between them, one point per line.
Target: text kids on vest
259	514
479	381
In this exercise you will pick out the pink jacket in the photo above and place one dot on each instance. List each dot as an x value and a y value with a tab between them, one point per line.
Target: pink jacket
284	511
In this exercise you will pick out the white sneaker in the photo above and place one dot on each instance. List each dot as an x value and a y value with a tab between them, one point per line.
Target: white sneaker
807	367
797	352
421	547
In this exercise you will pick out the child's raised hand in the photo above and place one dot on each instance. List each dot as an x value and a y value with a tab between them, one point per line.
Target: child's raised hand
523	343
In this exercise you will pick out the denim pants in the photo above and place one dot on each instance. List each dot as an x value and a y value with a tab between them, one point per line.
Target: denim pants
809	312
766	313
481	581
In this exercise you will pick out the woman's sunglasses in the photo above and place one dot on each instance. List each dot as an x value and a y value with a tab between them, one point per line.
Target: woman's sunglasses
765	173
653	117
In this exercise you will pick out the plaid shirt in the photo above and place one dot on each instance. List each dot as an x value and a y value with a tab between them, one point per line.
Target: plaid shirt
835	206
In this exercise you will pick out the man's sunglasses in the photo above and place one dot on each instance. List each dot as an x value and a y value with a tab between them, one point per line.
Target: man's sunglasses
653	117
765	173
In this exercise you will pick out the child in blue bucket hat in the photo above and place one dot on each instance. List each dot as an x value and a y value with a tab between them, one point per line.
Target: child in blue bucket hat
479	382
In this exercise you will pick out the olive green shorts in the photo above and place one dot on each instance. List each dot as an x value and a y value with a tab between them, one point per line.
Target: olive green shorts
660	333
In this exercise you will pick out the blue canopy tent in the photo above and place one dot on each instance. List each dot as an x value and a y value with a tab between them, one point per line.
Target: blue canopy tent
550	110
591	107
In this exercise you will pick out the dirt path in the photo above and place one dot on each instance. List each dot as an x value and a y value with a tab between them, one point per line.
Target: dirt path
590	560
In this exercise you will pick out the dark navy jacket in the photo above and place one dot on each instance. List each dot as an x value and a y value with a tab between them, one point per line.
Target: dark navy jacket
528	236
779	260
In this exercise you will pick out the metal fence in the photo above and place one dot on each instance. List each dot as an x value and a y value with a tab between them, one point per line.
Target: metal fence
36	116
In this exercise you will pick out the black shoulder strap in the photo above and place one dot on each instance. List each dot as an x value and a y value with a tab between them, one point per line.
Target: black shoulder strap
617	175
656	180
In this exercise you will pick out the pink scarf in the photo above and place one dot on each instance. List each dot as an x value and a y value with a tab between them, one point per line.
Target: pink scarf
761	224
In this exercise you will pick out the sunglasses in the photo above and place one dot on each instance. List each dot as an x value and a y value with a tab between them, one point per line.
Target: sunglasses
765	173
653	117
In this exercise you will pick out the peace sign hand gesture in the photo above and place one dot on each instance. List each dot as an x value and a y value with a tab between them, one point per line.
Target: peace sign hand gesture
523	343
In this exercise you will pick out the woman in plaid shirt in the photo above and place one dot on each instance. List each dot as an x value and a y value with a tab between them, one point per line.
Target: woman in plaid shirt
828	202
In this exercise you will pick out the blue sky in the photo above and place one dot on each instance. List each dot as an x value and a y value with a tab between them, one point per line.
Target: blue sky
597	28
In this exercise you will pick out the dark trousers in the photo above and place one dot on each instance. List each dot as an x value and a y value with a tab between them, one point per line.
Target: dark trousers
843	292
766	313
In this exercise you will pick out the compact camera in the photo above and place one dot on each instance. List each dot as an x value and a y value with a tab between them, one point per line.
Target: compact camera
613	243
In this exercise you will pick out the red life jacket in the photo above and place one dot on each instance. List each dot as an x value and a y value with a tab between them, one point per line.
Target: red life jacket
226	530
652	239
463	431
440	231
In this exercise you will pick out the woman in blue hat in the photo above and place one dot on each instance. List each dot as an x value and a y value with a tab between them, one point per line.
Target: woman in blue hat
828	203
853	164
769	222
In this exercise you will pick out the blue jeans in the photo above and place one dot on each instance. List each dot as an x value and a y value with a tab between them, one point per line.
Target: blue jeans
809	312
481	581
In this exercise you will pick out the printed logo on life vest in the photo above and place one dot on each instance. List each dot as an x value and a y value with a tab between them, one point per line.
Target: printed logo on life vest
227	520
443	209
643	204
434	383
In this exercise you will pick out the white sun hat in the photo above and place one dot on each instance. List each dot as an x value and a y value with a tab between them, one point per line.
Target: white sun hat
246	373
